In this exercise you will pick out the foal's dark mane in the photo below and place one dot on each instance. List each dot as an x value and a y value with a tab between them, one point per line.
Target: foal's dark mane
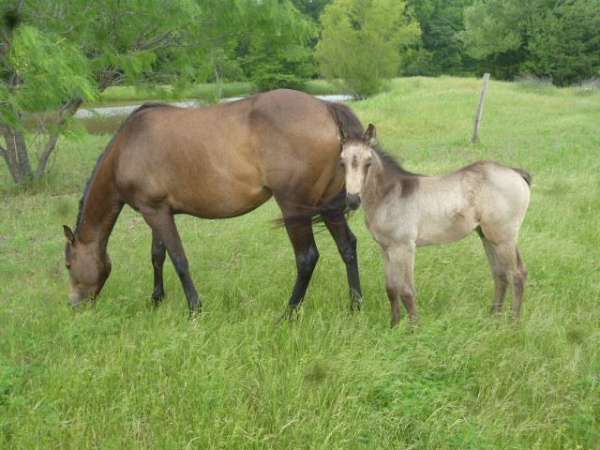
88	183
390	163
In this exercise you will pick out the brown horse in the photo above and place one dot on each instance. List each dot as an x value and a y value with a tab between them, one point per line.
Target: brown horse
217	162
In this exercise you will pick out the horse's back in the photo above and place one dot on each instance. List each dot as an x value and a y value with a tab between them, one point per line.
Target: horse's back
227	159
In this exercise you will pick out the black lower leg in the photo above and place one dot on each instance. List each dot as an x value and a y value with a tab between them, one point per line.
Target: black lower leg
159	253
163	225
307	255
346	243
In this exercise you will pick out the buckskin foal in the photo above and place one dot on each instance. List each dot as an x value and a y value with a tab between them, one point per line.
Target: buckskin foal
217	162
404	210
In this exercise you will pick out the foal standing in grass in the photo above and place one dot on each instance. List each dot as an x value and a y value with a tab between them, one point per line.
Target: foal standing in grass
404	210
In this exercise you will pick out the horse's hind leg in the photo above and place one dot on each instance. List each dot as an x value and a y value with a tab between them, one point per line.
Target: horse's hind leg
519	281
163	225
503	263
159	252
300	232
346	243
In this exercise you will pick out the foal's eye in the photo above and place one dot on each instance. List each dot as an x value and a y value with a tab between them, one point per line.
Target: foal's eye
68	266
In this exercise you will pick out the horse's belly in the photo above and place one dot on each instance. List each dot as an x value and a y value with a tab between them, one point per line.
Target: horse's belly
219	205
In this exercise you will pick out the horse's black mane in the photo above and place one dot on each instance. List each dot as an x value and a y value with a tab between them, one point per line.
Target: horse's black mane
103	155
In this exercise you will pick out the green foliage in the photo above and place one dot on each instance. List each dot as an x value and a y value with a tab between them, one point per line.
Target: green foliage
363	42
122	375
441	51
552	39
276	51
565	42
312	8
52	71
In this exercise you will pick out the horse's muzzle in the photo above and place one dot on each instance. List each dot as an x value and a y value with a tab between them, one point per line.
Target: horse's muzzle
353	201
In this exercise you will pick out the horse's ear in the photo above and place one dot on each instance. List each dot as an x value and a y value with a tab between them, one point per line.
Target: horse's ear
370	136
69	234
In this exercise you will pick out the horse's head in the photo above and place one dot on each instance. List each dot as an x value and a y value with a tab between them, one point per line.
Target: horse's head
88	268
357	157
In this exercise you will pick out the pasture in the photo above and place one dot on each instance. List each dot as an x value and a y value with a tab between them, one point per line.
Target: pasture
121	375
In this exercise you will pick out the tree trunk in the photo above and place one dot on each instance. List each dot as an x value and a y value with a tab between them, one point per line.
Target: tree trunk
16	152
15	155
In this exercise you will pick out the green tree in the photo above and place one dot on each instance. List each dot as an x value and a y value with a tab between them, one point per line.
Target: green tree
275	44
442	50
560	40
56	55
565	42
363	42
312	8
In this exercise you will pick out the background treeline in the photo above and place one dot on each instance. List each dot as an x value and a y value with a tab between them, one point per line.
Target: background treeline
57	55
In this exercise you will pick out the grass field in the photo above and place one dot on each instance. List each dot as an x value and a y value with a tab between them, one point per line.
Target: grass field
121	375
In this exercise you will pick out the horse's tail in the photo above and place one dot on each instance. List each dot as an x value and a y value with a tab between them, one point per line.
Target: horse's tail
347	122
525	175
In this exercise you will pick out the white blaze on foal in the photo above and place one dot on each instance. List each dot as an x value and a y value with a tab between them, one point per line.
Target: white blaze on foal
405	210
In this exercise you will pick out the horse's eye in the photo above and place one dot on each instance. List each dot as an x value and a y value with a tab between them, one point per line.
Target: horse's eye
68	266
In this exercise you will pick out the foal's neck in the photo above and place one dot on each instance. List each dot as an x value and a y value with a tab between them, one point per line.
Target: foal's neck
99	209
378	183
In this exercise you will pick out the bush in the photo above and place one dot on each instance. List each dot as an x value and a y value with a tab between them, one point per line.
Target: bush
363	43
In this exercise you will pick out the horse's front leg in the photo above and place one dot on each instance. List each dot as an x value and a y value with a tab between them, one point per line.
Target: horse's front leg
163	225
346	243
159	253
399	275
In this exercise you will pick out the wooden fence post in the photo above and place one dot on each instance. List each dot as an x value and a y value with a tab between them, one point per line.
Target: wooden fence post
479	114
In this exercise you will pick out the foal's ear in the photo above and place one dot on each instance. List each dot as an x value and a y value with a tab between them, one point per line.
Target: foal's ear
69	234
343	136
370	136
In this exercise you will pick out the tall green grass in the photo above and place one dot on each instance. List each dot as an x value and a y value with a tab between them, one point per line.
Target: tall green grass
122	375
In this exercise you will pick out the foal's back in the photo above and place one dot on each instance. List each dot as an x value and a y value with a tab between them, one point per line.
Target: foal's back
486	194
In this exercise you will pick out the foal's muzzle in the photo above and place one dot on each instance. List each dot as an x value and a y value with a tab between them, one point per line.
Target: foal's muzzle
353	201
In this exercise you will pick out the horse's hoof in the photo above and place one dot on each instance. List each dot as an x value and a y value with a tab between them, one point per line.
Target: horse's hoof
157	298
356	305
291	313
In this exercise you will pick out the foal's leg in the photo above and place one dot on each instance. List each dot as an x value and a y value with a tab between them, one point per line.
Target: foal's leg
503	262
305	249
346	243
399	275
163	225
159	252
519	280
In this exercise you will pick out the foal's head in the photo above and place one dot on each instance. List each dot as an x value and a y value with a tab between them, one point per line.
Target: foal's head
88	268
357	157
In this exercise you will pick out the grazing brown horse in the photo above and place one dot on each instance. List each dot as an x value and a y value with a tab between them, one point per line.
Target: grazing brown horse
217	162
404	211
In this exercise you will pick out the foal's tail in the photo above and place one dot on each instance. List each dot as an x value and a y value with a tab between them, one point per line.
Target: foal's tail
525	175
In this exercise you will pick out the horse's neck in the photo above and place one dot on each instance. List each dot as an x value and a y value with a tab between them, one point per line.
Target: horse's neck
100	210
